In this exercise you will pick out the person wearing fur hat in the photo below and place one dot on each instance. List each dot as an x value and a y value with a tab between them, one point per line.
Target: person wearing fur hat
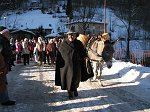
97	48
84	39
5	54
104	37
69	64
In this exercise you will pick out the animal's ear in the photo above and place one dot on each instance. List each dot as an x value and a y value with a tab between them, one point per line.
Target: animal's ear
107	42
113	42
121	39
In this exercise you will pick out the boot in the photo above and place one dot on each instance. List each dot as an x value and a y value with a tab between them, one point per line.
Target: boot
70	93
75	93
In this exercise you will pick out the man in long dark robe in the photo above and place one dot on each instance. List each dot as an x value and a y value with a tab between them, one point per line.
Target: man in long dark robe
70	65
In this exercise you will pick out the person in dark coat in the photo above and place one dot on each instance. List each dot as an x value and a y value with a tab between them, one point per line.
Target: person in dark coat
5	54
69	64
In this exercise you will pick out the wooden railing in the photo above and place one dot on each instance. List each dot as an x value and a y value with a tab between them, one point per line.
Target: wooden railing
137	57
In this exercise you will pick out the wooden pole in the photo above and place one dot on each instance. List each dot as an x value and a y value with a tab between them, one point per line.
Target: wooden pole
104	16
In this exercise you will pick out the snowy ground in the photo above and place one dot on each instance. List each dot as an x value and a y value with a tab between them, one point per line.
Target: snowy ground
127	89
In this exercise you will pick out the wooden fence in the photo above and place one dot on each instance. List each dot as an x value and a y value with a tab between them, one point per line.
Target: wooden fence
137	57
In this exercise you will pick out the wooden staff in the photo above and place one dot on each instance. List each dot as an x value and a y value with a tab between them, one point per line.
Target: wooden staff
104	16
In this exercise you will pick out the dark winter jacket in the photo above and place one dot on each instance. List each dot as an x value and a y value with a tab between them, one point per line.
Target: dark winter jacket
70	65
6	48
3	72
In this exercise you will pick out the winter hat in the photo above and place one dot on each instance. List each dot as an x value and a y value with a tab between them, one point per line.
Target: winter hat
71	32
84	39
3	29
105	36
25	39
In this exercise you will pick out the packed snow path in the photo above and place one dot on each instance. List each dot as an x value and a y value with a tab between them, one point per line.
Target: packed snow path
34	91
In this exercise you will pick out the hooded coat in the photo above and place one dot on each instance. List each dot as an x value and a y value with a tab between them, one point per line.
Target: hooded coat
70	68
4	58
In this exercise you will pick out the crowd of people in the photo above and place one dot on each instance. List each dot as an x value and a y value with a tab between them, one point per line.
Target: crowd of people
42	51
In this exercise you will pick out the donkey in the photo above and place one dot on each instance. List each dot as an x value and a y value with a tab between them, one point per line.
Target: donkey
99	53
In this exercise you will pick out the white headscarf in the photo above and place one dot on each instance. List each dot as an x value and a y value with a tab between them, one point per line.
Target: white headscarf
3	31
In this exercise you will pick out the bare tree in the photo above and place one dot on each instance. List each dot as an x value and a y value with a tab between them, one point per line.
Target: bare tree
127	11
84	12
